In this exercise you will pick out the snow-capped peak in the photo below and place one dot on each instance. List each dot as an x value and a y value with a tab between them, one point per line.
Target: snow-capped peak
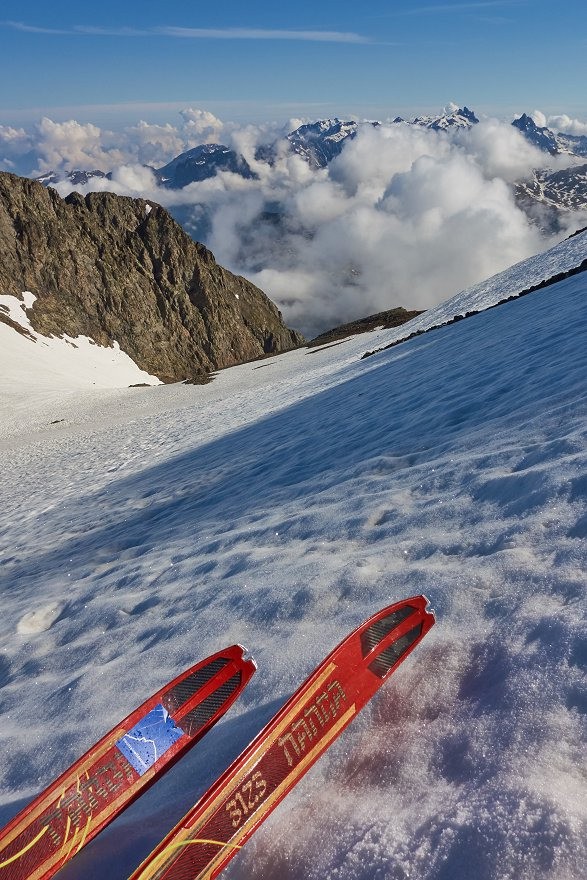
452	116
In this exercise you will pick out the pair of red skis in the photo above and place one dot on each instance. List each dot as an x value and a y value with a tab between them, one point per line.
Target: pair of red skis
114	772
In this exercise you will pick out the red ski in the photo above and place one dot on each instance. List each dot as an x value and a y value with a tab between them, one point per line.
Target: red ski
115	771
210	834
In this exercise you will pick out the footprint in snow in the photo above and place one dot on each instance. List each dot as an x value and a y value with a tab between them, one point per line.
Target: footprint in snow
41	619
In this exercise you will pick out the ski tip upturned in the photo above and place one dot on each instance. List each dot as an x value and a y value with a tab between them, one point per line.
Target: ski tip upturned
121	766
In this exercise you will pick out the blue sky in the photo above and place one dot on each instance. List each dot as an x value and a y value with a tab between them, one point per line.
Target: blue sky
265	61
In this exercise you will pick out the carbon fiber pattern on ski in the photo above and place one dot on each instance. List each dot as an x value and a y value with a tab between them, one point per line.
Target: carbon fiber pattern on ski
186	689
377	632
383	663
198	717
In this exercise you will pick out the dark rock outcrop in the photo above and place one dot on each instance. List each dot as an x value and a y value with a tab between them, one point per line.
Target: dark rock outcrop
541	137
120	269
385	320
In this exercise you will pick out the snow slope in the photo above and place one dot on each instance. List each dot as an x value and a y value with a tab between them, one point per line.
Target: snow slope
279	506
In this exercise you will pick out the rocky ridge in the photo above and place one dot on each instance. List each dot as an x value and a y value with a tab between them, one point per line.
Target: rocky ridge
452	117
382	320
119	269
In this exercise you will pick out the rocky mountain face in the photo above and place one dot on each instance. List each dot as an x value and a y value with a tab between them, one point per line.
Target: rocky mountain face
119	269
200	163
549	141
572	143
541	137
549	196
319	142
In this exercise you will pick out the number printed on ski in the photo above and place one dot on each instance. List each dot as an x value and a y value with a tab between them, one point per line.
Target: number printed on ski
120	767
211	833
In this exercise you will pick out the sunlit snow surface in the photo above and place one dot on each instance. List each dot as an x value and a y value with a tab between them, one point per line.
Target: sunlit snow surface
278	507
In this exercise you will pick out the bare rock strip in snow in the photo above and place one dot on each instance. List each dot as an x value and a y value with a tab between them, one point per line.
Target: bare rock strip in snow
108	268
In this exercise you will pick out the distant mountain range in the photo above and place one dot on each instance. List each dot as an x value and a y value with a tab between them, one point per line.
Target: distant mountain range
76	177
546	199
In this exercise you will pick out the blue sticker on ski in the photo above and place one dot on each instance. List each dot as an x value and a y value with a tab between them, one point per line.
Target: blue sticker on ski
149	739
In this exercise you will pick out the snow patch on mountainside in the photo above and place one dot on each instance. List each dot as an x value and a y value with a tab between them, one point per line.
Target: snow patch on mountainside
31	360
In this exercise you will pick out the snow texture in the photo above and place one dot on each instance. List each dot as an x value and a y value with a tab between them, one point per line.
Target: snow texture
279	506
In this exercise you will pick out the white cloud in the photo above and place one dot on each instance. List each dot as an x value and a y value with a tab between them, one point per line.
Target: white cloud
561	123
201	126
539	118
68	145
260	34
135	180
153	144
370	160
14	143
404	216
64	146
567	125
500	150
230	33
16	137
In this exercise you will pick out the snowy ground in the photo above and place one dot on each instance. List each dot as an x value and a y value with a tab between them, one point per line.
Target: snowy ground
278	506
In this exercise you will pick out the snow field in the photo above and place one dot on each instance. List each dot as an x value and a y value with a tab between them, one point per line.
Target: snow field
278	507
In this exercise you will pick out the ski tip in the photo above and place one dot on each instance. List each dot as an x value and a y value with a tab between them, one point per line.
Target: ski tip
422	603
428	609
247	657
426	601
388	636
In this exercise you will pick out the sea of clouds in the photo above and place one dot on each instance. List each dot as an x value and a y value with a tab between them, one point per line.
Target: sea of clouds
404	216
